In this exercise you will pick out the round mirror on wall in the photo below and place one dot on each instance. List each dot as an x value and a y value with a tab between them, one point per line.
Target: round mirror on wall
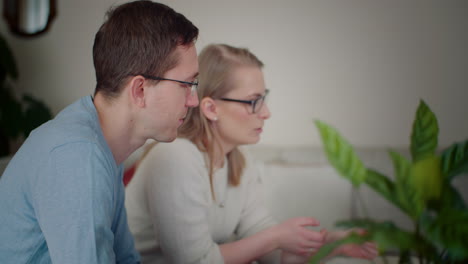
29	17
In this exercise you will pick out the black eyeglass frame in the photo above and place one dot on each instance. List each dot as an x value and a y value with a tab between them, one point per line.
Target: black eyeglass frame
193	85
252	103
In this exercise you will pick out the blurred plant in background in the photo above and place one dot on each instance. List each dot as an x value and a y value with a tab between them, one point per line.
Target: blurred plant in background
18	115
422	188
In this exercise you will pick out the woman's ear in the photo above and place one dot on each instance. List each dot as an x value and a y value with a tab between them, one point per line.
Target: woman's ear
137	90
209	108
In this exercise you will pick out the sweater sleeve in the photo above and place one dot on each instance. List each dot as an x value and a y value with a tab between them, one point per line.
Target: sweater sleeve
74	203
179	200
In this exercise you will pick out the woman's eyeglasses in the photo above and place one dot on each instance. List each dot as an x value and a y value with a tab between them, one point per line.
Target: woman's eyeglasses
256	104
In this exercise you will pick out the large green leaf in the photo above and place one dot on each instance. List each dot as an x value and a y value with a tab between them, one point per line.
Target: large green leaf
406	192
426	178
381	184
450	231
450	198
401	166
455	160
424	137
341	154
384	186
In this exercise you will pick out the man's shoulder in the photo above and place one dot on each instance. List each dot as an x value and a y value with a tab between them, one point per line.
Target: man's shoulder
76	123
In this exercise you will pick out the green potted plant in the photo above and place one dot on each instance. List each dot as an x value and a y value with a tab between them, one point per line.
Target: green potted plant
18	115
422	189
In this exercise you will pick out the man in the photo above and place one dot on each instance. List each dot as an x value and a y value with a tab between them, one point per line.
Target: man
62	196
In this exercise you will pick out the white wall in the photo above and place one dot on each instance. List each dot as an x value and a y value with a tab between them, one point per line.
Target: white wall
361	65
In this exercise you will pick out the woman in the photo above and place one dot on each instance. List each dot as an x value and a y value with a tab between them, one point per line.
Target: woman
197	200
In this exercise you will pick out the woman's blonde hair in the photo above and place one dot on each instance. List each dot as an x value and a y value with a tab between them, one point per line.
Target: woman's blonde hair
217	62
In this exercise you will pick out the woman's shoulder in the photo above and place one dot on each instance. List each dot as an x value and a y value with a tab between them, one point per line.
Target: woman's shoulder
179	149
178	160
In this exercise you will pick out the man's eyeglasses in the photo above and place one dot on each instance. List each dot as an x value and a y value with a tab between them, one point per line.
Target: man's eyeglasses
193	85
256	104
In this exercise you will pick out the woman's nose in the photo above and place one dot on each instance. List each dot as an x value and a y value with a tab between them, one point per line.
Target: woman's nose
264	111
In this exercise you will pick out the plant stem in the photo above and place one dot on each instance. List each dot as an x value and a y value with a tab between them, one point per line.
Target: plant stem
363	205
420	256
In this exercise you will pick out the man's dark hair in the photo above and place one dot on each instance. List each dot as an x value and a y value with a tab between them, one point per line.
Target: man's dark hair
138	38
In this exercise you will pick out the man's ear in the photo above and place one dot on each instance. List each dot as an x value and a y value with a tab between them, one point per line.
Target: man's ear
137	91
209	108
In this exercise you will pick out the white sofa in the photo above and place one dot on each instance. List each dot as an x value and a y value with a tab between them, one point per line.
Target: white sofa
300	181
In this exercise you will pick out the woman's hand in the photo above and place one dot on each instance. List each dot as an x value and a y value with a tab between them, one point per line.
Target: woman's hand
289	258
367	250
295	237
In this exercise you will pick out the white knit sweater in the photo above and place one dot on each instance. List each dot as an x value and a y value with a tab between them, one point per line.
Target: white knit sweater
171	212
